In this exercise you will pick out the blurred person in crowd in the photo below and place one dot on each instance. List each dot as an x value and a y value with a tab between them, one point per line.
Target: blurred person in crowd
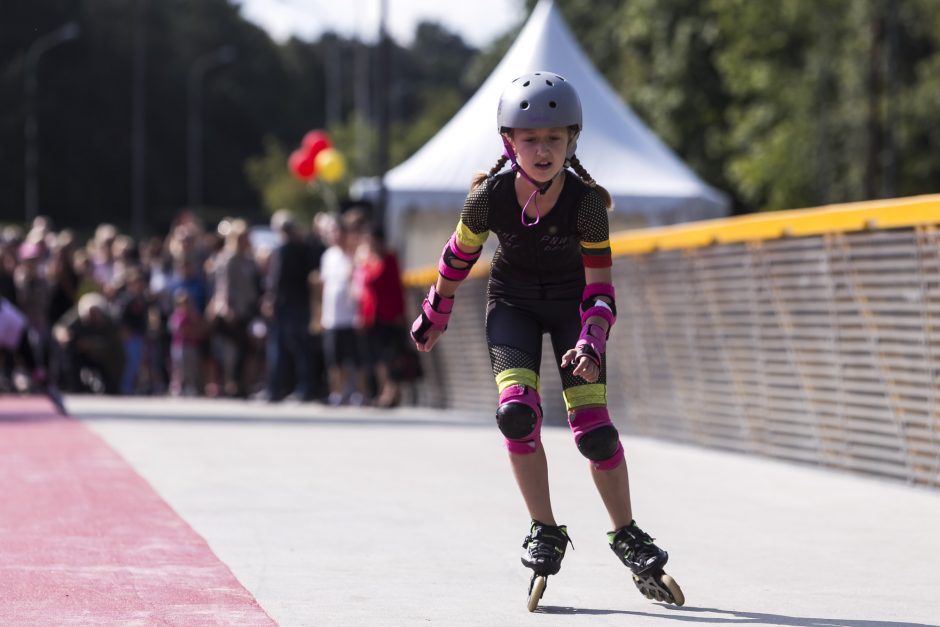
12	327
101	254
61	278
187	331
157	264
317	246
131	311
84	274
8	293
187	276
125	257
211	246
32	298
315	239
286	305
382	314
40	226
151	253
234	305
12	235
40	229
91	353
339	313
7	269
184	243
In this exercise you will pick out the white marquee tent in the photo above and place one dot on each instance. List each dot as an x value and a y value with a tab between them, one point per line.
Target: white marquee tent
650	185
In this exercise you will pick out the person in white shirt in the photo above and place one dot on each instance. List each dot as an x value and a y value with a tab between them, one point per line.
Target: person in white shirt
338	315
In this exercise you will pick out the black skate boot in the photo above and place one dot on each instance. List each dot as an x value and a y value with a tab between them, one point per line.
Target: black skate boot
544	549
635	548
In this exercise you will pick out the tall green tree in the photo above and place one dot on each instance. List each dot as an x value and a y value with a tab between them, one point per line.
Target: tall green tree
783	105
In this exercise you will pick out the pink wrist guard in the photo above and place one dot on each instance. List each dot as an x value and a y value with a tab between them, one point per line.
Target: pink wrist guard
592	343
435	313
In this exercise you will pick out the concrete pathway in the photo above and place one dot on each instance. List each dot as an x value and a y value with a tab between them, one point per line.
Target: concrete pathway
410	517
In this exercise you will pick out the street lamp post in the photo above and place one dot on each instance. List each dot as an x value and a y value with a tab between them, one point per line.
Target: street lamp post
201	67
64	33
382	95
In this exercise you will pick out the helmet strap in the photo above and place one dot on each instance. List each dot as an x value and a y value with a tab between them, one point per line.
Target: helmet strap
540	188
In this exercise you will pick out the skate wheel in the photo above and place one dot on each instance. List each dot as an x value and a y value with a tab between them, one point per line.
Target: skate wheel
536	589
659	587
674	590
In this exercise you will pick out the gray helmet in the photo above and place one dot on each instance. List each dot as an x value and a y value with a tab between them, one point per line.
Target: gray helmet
540	100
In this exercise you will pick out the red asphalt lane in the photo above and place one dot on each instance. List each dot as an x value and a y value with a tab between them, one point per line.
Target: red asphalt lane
84	540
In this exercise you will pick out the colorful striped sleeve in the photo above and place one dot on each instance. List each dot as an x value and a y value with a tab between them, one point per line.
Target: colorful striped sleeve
596	254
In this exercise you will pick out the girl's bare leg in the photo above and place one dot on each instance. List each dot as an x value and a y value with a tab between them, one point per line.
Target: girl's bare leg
614	487
531	472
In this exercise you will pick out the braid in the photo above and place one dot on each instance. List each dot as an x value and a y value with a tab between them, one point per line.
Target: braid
479	177
590	182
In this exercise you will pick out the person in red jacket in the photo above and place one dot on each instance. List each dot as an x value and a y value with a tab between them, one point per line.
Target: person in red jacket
382	315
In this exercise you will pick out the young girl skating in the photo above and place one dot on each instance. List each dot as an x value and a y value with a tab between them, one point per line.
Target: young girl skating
550	274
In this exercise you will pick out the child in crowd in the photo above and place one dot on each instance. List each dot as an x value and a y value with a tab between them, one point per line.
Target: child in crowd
187	329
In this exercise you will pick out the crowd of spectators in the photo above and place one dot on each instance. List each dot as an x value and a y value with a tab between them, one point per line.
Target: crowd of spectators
310	314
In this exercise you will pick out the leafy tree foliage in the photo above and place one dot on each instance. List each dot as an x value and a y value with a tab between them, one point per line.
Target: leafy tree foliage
254	110
784	104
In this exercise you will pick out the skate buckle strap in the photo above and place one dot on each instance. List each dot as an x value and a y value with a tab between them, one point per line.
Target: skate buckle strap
542	535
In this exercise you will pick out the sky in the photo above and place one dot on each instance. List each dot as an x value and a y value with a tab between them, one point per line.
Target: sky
478	22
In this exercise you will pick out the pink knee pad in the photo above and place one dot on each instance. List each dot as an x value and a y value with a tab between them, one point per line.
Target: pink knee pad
519	417
596	437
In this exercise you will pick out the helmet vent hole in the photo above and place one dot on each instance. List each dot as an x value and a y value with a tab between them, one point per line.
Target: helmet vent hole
524	104
526	84
552	104
549	83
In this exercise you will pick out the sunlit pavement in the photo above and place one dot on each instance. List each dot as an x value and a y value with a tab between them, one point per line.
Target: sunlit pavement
410	517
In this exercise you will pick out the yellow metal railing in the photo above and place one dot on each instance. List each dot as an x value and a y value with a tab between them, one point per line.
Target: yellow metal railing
810	335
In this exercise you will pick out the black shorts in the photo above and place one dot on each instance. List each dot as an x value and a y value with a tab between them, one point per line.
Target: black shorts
341	347
382	343
514	332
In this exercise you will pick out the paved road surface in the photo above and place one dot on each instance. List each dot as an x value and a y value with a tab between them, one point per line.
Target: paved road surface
410	517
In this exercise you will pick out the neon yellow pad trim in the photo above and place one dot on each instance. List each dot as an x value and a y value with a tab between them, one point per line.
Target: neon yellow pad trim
468	238
582	395
517	376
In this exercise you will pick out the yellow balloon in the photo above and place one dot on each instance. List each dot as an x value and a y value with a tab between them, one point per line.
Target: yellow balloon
330	165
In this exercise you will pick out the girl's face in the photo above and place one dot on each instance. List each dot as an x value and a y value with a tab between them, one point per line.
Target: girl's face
540	151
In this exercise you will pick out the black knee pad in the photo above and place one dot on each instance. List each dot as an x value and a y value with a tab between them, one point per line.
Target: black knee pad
599	444
516	420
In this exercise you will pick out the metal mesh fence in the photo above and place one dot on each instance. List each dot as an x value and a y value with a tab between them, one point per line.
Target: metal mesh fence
822	349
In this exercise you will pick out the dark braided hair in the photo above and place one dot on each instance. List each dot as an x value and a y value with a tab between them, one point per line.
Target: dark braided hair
590	182
479	177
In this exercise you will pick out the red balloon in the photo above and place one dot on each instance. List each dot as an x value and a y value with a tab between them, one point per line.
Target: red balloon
315	141
302	165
